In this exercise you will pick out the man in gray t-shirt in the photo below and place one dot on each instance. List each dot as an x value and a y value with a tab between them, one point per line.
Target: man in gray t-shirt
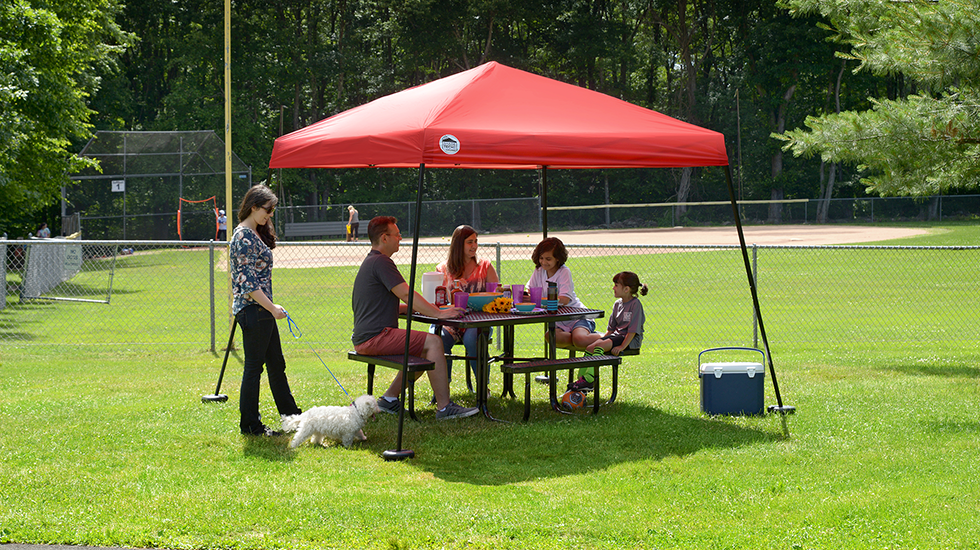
375	306
376	300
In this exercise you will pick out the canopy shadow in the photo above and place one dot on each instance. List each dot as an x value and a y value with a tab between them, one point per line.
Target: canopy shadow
620	434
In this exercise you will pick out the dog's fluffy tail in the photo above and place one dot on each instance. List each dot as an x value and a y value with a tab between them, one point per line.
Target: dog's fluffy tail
290	423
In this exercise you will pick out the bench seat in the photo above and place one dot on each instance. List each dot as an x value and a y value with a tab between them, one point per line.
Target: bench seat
571	372
315	229
551	366
415	364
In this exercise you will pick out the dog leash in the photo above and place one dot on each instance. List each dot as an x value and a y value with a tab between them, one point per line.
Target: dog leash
292	324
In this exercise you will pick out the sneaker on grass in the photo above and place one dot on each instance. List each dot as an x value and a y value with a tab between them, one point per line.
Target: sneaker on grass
390	407
453	410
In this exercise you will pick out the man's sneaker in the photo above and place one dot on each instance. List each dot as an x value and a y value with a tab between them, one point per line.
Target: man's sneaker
542	379
580	385
390	407
453	410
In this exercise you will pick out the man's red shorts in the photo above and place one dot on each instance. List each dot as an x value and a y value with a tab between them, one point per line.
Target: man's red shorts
391	341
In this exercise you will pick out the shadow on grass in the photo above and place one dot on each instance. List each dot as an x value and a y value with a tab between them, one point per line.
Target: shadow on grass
955	427
8	335
30	304
948	371
486	453
75	290
273	449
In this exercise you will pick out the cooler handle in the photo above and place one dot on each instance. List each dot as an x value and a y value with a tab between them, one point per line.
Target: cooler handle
738	348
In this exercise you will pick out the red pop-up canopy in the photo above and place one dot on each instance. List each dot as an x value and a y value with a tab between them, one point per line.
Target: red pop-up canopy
494	116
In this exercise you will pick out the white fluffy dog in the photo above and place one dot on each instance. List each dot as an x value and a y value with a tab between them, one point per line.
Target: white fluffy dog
339	423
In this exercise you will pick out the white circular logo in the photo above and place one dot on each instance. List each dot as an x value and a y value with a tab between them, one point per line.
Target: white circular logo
449	144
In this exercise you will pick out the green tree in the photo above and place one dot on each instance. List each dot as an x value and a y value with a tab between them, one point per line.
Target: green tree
52	54
299	61
789	65
920	144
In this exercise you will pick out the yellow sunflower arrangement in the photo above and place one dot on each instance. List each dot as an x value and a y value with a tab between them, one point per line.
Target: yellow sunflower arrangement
499	305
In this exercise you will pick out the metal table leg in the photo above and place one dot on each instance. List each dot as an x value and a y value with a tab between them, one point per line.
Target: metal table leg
508	379
552	353
483	376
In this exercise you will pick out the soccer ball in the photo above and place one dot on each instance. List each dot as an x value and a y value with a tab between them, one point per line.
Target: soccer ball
572	400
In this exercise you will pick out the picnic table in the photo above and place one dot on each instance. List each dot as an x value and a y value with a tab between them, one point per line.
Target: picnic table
482	322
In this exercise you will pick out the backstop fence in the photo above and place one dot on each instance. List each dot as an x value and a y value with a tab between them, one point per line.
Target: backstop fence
171	293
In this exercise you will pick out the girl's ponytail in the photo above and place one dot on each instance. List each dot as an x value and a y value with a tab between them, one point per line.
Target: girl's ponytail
632	280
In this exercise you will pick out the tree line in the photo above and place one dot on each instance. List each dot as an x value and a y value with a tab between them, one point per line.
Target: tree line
754	70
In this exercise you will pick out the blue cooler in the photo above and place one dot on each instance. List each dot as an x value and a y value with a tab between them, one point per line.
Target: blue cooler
732	388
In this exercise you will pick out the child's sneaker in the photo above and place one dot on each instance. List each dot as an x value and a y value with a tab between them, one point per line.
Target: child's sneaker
580	385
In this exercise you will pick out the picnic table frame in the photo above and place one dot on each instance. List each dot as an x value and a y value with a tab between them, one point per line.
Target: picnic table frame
482	322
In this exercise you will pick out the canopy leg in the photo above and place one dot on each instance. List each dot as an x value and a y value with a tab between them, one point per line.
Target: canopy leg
782	409
399	453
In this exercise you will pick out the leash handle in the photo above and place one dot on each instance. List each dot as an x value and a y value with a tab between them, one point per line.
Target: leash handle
292	324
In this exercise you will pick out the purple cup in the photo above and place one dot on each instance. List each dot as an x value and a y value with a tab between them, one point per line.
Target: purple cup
492	287
535	292
460	299
517	293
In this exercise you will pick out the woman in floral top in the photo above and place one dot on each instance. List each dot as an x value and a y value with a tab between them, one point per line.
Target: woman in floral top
251	280
464	271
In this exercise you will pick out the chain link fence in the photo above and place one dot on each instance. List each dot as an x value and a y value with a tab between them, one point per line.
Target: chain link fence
523	215
171	293
441	217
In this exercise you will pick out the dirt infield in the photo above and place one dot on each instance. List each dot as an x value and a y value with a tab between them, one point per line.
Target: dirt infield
798	235
757	234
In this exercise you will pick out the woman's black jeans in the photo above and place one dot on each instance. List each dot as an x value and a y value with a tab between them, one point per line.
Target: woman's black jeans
260	340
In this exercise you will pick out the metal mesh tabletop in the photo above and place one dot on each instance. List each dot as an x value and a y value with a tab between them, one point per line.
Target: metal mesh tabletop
479	319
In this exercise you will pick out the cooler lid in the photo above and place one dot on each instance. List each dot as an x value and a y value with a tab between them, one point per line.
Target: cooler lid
720	369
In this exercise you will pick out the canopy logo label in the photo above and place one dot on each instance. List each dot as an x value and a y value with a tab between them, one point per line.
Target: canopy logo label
449	144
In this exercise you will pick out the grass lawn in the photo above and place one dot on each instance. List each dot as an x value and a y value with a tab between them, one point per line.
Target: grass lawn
112	446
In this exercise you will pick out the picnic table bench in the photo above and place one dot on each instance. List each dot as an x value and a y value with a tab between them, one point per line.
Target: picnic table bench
551	366
415	364
615	373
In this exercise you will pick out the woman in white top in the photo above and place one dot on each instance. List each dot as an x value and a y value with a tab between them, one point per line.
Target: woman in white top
549	259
